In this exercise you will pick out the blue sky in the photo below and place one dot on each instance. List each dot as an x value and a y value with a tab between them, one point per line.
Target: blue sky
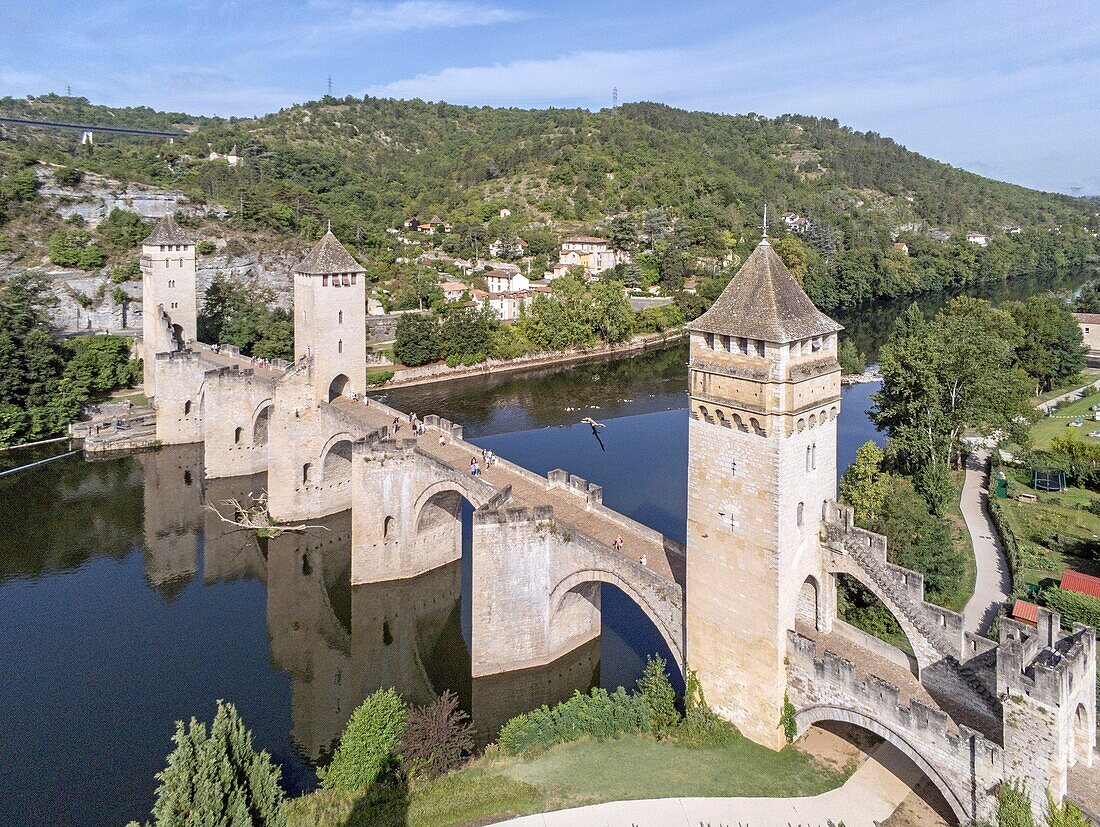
1007	89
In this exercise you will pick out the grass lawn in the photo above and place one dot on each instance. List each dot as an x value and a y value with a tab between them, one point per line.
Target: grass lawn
570	775
961	535
1049	427
1054	534
1073	383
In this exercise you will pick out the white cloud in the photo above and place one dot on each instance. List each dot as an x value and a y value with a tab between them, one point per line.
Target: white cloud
409	15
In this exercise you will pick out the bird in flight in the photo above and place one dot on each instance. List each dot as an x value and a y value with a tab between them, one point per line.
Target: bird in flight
595	426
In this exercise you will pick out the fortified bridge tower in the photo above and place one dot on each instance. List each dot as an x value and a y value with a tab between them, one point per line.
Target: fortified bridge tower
168	295
765	394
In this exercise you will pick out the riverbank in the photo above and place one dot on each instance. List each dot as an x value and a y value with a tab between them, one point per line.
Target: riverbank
589	772
428	374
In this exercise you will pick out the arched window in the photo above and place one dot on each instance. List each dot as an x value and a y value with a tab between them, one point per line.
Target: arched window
340	317
305	472
237	436
387	528
187	408
340	346
801	508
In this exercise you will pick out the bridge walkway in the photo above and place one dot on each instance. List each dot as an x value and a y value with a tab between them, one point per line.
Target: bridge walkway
570	508
225	359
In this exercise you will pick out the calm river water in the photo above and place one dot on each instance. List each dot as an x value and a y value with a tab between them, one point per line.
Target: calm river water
126	606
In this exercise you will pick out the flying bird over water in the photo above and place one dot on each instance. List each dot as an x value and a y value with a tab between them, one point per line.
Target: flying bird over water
595	432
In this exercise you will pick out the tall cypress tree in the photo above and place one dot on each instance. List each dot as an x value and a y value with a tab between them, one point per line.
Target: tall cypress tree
217	779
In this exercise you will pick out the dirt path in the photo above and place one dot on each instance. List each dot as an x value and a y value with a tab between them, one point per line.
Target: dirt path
993	583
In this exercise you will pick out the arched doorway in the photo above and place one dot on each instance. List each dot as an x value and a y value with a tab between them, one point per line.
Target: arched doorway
337	463
260	427
337	387
1084	735
807	611
177	337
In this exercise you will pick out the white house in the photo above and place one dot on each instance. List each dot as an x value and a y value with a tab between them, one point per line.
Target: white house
505	213
593	254
453	290
506	281
978	238
513	247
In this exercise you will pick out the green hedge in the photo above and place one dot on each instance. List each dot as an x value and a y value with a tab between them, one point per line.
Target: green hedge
599	715
379	377
1074	607
1003	525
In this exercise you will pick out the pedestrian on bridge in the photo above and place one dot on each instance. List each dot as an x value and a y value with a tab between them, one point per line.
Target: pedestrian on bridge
618	543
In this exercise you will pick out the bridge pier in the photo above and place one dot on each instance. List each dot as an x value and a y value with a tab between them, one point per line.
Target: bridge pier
237	437
512	622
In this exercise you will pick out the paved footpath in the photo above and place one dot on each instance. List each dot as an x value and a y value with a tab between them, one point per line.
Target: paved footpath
993	582
872	793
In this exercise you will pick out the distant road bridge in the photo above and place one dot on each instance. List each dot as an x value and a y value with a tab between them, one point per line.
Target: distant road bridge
88	130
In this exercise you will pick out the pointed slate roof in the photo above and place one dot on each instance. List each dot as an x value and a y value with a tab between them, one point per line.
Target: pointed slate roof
168	231
328	256
764	301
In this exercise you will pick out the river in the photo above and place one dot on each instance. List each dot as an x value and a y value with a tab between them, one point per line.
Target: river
126	606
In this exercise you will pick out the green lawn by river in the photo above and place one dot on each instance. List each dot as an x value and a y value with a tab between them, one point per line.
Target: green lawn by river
575	774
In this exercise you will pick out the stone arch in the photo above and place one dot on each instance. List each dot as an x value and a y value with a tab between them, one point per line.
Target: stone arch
832	412
740	423
725	423
924	651
475	497
808	607
801	424
177	336
389	527
336	460
671	632
813	420
806	718
1084	736
261	422
337	386
756	426
237	433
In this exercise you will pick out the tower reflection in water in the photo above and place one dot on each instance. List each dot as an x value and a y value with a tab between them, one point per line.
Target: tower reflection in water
339	643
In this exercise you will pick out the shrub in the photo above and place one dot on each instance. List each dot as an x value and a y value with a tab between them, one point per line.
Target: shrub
130	271
656	691
1064	814
379	377
787	721
218	778
71	248
206	247
68	176
1074	607
436	739
1013	807
598	715
368	747
123	229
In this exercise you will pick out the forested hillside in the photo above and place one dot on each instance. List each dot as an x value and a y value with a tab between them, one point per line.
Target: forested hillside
685	188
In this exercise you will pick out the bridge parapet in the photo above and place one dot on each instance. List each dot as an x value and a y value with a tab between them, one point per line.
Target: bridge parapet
963	764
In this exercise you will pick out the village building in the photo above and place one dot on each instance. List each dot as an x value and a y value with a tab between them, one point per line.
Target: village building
506	281
1090	334
453	290
231	158
901	247
593	254
514	248
981	239
795	222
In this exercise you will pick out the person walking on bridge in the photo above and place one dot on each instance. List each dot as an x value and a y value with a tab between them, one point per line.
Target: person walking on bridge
618	543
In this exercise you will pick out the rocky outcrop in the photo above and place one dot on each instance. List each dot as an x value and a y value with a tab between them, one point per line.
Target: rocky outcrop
95	196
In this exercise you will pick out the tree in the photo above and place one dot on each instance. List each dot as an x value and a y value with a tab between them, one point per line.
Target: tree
218	777
101	363
416	341
611	316
852	361
123	229
657	693
466	334
864	485
943	376
436	738
368	747
71	248
1050	343
622	233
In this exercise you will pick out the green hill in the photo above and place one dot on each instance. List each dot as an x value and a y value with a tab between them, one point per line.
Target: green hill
686	185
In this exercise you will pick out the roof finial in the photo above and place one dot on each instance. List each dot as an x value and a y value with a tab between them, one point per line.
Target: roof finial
764	235
330	225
